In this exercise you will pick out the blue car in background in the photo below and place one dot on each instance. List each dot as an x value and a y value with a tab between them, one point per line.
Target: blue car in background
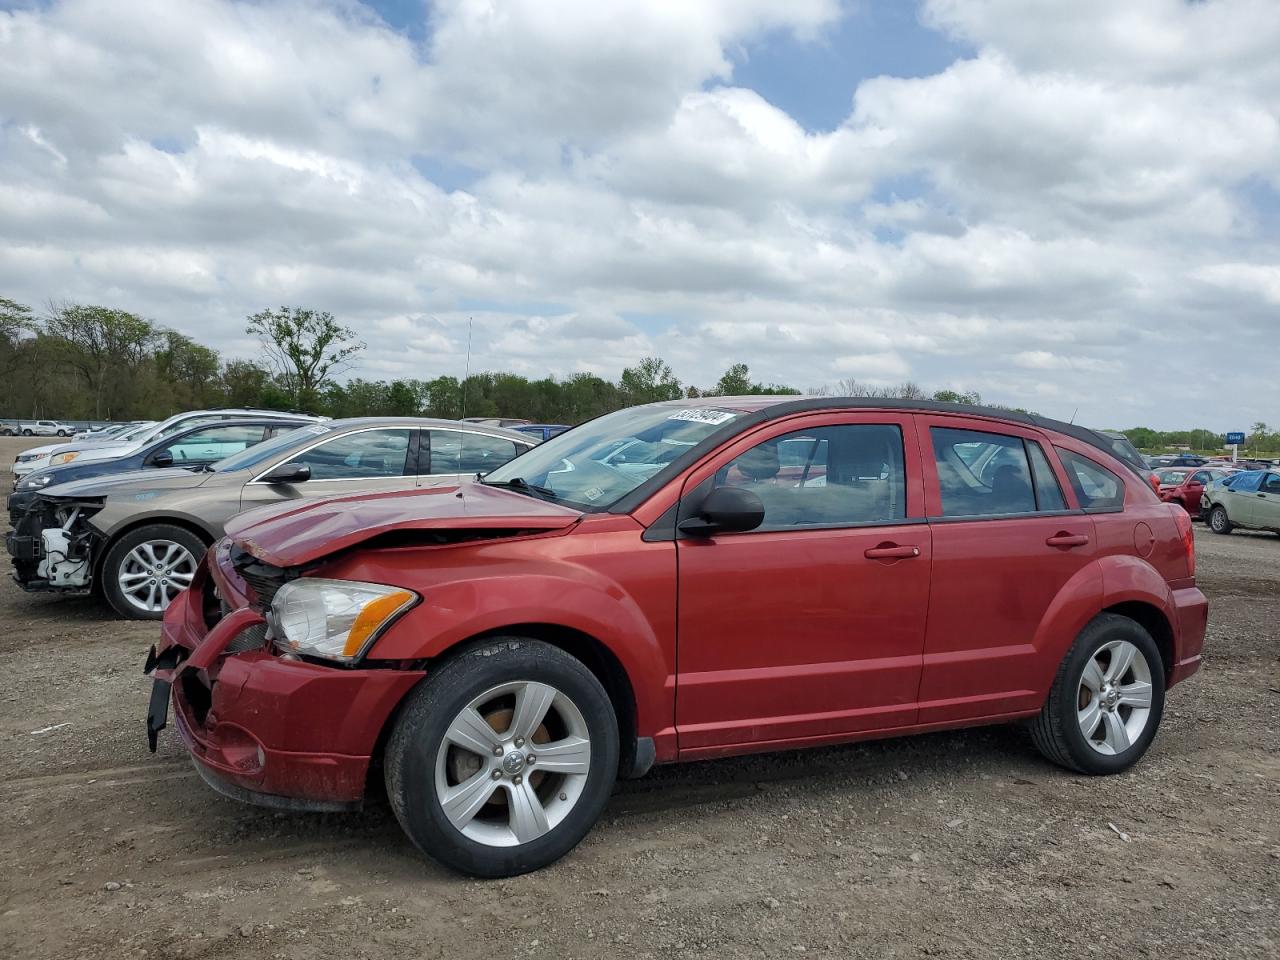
196	447
543	431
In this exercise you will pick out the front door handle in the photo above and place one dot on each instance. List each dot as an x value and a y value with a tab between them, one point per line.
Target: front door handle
1067	540
891	551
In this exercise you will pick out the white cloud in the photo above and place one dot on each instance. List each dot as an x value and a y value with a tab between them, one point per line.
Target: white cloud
1073	205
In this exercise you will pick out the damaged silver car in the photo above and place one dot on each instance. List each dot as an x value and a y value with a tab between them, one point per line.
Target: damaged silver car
137	537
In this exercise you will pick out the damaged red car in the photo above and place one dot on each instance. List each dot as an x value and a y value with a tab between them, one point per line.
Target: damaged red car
674	582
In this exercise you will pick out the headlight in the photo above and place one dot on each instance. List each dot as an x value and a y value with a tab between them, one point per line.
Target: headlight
64	457
335	619
36	482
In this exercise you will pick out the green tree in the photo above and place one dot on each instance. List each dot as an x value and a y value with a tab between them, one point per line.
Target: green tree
972	397
306	347
648	381
105	346
734	382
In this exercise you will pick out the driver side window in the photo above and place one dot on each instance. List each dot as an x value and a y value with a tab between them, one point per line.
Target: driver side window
359	456
828	476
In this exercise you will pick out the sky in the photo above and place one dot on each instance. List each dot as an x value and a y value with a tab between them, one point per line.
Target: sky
1071	207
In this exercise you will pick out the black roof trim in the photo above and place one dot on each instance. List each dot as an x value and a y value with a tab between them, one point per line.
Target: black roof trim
784	408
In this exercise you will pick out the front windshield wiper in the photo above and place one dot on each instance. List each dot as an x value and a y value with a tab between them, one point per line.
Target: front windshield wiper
520	484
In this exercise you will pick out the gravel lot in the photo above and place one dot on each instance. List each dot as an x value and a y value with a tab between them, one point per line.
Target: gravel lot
958	844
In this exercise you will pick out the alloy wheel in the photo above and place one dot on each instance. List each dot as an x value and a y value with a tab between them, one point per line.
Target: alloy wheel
1114	699
154	572
513	764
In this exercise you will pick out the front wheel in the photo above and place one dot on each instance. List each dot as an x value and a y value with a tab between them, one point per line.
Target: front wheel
62	433
503	758
1106	701
1219	522
26	433
146	568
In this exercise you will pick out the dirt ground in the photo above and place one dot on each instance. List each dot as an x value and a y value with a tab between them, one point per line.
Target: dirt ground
956	845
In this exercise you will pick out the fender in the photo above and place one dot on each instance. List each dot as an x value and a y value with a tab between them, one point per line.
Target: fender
1080	600
1104	583
561	582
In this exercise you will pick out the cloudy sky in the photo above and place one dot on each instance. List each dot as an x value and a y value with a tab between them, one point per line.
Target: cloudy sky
1071	206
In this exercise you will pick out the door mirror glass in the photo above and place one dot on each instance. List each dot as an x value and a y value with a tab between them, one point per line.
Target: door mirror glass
290	472
162	459
726	510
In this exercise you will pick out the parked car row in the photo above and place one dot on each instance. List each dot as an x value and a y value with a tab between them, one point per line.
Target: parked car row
35	428
133	517
503	646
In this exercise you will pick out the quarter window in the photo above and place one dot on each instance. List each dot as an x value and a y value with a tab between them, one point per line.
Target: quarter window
358	456
985	474
1096	487
828	476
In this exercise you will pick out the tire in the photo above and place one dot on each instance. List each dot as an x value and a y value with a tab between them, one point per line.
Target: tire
168	544
1219	522
489	679
62	433
26	433
1123	731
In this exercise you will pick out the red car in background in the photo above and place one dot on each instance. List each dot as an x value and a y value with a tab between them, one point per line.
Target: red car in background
678	581
1185	485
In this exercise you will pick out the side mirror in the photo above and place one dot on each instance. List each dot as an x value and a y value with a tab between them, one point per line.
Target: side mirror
162	459
725	510
289	473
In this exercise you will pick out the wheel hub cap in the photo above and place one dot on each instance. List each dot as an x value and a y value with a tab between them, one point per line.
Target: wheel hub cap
513	763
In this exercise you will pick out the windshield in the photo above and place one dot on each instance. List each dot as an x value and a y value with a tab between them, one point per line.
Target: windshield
262	452
1174	477
600	462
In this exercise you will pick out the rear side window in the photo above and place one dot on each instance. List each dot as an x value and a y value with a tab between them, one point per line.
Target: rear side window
983	474
1096	487
824	477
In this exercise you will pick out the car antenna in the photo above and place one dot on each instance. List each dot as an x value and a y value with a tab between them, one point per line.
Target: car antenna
1073	415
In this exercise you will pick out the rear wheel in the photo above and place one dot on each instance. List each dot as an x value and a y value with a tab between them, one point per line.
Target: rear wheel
26	433
1219	522
1106	701
146	568
503	758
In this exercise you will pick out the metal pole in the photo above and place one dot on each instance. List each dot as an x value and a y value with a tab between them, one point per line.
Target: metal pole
467	377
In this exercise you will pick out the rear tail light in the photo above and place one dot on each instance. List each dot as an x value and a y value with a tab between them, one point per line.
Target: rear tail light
1154	481
1187	535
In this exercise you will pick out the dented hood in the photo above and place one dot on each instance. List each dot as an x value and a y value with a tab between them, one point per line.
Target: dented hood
300	531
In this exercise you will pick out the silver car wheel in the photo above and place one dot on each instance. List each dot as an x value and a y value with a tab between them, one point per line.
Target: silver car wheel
513	763
154	572
1114	702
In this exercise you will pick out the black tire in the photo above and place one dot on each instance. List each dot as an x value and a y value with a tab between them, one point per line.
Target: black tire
62	433
26	433
415	743
1056	731
1219	522
109	569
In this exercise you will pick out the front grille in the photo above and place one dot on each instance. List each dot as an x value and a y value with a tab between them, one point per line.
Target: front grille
262	579
250	638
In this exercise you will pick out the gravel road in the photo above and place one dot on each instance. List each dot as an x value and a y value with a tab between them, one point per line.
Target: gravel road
958	844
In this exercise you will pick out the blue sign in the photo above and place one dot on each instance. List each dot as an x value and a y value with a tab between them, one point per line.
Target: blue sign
1235	438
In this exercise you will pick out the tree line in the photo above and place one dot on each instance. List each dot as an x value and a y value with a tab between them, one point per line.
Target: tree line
86	362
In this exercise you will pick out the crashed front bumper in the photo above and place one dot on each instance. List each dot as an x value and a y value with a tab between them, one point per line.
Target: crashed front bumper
260	727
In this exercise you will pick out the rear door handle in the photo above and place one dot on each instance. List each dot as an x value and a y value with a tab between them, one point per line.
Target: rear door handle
1067	540
891	551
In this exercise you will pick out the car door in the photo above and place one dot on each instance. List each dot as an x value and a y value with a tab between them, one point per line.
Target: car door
811	626
449	456
371	460
1006	540
1266	503
1239	500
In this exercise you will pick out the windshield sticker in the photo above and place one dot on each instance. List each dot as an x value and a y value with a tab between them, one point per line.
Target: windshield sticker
594	494
713	417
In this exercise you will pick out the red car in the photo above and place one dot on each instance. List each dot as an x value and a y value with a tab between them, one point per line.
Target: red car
678	581
1185	485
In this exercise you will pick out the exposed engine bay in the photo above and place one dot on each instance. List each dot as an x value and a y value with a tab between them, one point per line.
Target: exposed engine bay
52	544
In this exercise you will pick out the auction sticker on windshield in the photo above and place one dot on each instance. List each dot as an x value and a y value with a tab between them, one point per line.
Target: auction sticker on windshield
713	417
